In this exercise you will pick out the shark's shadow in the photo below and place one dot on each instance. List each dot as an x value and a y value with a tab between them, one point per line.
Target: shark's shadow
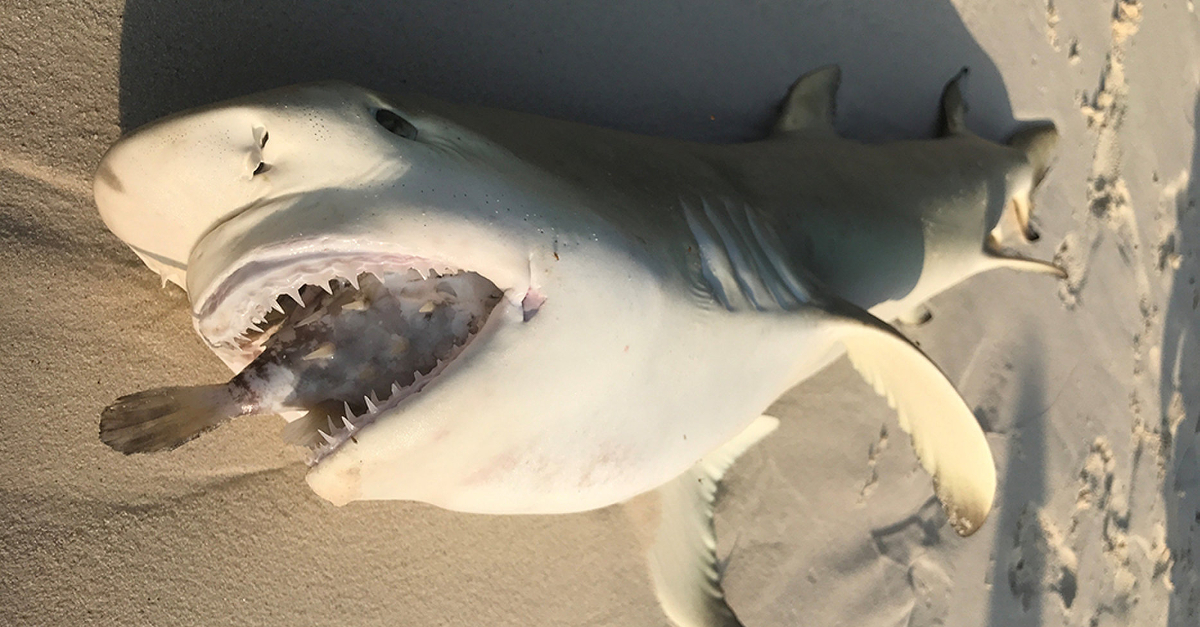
1180	397
1019	568
711	70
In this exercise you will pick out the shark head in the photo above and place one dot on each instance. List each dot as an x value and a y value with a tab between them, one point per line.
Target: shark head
164	187
250	200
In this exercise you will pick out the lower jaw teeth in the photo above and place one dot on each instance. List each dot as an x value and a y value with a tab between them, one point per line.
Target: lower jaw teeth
418	342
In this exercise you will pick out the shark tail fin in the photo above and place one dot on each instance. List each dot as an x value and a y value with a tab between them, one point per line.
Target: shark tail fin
683	558
998	257
1036	141
164	418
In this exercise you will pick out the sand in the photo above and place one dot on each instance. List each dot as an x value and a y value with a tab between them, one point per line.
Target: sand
1089	389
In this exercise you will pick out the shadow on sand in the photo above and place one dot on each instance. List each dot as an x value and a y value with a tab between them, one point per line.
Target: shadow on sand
708	70
1017	574
1180	397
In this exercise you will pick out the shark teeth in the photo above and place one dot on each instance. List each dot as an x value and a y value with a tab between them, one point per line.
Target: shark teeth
352	423
294	292
227	331
242	323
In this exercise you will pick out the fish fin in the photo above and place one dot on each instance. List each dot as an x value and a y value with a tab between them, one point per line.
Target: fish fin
954	106
683	558
303	430
164	418
945	435
811	102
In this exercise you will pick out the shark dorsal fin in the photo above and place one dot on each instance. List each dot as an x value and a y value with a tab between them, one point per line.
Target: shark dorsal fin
811	102
954	108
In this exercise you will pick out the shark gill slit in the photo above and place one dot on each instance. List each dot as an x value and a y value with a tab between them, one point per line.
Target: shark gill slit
741	259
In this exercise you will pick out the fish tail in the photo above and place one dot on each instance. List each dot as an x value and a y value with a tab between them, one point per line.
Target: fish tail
164	418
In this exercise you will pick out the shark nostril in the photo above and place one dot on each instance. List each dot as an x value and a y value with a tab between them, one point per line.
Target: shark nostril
260	135
256	156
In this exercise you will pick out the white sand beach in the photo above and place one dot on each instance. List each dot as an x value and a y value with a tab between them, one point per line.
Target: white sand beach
1089	388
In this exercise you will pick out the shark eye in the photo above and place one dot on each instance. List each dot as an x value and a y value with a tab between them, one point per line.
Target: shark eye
395	124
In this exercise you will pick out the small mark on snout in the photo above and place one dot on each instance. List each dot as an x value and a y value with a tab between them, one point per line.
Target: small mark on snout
108	177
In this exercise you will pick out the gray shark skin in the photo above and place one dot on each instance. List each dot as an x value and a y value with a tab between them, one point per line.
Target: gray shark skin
655	296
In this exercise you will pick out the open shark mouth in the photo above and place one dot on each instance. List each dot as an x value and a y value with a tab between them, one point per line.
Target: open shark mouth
338	342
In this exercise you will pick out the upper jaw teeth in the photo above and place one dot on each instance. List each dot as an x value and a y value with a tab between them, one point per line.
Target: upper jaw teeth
225	328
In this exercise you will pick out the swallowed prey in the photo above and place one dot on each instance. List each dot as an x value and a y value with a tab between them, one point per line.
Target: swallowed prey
333	351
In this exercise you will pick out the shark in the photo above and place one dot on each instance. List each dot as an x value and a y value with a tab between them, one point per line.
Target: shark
501	313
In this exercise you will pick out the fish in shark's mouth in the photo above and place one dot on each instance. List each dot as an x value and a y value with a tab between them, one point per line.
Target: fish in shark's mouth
335	351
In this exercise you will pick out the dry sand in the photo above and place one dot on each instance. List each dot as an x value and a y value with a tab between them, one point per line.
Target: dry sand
1090	389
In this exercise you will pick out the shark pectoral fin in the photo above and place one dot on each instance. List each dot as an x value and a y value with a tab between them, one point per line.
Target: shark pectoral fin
945	435
811	102
682	557
954	107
